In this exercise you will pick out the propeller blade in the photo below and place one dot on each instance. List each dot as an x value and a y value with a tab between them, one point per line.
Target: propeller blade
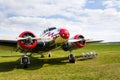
21	38
34	38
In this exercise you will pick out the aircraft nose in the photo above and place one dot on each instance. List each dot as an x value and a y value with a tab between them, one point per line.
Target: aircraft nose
64	33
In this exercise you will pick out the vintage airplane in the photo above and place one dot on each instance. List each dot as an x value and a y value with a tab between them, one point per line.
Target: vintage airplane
51	38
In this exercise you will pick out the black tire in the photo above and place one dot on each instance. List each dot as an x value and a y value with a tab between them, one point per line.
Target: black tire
49	55
25	62
25	65
72	58
72	61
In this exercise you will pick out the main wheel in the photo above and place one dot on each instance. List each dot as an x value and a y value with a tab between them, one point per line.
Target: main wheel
25	65
71	58
25	61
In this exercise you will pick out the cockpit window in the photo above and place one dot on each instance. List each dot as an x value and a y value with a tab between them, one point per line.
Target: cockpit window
49	29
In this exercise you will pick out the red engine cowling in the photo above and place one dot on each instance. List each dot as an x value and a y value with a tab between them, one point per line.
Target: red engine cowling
80	44
27	44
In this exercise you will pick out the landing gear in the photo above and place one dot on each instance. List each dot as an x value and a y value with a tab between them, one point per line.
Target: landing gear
25	60
49	54
30	54
43	55
71	58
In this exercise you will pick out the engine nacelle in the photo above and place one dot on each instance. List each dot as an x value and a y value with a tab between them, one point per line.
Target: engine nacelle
80	44
74	45
27	44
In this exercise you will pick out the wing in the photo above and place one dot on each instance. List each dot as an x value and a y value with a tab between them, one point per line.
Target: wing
9	43
78	41
87	40
94	41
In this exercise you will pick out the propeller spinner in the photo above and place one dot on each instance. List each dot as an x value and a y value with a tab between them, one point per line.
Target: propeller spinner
64	33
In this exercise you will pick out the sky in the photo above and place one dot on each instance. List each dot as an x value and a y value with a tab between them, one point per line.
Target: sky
96	19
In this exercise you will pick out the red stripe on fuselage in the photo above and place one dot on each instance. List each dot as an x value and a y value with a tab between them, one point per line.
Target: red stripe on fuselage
51	34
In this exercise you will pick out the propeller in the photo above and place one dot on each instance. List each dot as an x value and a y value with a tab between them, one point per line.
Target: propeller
33	38
28	38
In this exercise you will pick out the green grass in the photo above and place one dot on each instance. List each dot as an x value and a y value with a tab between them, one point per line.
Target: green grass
105	67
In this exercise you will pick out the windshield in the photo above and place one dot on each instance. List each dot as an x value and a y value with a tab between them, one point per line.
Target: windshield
49	29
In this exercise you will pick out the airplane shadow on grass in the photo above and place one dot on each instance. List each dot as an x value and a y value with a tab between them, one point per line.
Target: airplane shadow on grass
36	63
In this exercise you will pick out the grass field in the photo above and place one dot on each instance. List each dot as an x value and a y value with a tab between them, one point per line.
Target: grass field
105	67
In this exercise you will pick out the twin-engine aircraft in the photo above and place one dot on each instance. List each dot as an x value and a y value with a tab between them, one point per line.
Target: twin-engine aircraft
50	39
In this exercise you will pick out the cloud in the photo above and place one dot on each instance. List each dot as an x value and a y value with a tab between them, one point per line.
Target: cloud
36	15
112	3
41	7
